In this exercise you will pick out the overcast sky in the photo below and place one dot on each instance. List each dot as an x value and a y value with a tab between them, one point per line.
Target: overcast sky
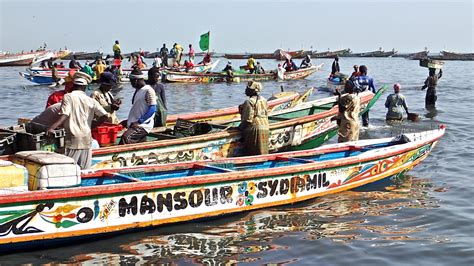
238	26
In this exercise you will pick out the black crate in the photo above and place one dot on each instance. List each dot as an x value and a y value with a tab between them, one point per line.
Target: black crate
7	142
32	136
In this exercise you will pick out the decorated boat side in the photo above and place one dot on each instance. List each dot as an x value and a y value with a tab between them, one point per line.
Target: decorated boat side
111	201
216	77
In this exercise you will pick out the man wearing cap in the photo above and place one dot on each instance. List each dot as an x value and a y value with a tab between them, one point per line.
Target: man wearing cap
141	117
394	103
77	112
103	96
254	121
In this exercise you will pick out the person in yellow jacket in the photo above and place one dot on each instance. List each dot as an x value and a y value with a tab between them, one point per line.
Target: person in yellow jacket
179	53
251	64
99	68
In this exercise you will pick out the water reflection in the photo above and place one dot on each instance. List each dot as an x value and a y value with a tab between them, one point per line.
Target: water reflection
345	217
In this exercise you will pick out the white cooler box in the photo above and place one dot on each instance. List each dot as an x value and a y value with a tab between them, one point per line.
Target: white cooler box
49	170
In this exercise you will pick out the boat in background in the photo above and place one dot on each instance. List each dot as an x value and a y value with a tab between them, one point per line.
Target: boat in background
111	201
279	54
330	54
83	55
20	59
379	53
445	55
215	77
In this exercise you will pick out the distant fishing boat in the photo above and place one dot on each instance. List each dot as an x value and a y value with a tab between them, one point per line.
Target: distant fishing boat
215	77
379	53
445	55
111	201
330	54
21	59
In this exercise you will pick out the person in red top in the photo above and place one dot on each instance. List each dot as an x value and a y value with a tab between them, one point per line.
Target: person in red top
57	96
188	64
356	72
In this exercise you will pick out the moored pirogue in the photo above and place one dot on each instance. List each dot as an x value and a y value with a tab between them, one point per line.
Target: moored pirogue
213	77
110	201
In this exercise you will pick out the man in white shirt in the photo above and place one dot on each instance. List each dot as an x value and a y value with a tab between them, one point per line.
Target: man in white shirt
141	117
77	112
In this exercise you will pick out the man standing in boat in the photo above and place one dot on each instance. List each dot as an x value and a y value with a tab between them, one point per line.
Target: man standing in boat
77	112
141	117
348	116
335	66
117	50
254	121
431	82
363	83
251	64
164	55
159	88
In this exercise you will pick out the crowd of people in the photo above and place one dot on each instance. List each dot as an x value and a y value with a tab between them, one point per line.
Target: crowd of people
78	112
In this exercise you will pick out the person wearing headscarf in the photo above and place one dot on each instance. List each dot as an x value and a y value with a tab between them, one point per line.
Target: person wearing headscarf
105	98
254	121
141	117
348	116
394	103
76	115
306	62
431	82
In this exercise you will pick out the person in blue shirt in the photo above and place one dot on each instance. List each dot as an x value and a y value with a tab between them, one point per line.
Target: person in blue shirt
363	83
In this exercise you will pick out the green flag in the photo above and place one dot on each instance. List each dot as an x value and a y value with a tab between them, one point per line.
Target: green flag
204	41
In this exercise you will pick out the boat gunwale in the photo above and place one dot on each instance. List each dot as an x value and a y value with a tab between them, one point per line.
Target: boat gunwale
218	135
124	188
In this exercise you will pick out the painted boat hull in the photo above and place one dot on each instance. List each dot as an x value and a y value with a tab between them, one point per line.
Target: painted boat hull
282	101
221	77
242	184
308	123
333	86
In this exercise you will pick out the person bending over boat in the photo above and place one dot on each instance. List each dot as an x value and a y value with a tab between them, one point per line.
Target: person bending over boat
431	82
259	69
394	103
159	88
251	65
362	83
306	62
77	112
141	117
348	116
206	60
105	98
254	121
189	65
229	70
289	65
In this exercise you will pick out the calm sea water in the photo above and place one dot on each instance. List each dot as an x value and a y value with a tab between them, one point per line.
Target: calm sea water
426	220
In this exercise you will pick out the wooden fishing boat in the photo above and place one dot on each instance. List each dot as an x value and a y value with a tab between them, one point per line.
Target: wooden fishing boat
277	102
413	56
379	53
215	77
22	59
305	126
445	55
330	54
248	55
112	201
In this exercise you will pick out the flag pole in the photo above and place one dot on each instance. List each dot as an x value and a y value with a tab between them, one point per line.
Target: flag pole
209	41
